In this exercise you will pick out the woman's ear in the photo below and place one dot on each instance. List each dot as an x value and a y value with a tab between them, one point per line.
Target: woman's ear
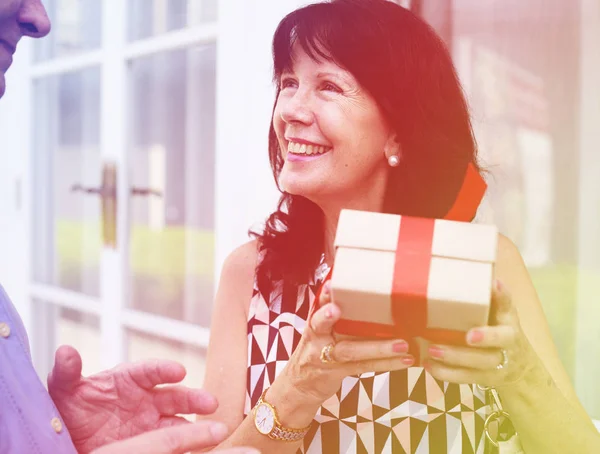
392	147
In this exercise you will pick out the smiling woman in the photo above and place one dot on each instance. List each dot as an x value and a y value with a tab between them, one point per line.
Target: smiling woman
370	115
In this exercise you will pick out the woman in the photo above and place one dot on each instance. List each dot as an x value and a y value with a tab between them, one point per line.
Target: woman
370	115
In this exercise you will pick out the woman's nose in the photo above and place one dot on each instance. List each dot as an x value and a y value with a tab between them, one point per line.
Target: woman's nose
296	109
33	19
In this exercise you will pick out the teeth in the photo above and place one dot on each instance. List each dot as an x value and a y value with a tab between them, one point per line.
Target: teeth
306	149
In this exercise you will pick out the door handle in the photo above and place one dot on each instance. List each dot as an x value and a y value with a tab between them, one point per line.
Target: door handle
108	196
146	192
102	191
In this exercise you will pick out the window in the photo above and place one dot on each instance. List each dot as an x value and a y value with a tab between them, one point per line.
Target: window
130	86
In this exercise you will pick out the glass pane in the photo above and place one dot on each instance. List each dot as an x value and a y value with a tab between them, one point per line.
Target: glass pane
521	65
154	17
144	346
56	326
66	224
172	152
82	331
76	27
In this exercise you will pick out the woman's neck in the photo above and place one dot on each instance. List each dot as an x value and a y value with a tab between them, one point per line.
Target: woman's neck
331	217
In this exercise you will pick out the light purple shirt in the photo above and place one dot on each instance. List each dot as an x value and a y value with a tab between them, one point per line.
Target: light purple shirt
29	421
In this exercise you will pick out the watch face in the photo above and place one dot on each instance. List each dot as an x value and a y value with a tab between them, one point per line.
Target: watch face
264	419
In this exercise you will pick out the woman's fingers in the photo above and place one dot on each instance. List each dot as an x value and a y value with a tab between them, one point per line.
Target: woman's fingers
380	365
501	336
325	295
466	357
357	355
326	313
364	350
503	311
324	318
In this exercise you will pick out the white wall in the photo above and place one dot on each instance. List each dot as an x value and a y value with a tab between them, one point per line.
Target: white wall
246	192
14	183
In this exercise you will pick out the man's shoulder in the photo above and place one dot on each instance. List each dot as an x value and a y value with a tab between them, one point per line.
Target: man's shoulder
7	309
10	321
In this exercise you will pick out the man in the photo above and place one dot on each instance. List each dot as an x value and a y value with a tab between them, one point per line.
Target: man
120	411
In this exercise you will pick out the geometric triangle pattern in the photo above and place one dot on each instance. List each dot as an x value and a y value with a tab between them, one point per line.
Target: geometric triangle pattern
405	411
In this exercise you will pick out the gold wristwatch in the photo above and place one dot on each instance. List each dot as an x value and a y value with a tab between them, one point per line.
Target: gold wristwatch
267	423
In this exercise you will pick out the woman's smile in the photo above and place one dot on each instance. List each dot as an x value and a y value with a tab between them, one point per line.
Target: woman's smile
302	150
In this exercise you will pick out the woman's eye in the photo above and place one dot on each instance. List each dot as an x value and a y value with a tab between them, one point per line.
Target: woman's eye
329	86
287	83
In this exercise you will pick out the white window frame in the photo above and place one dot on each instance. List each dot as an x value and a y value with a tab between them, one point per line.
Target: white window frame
115	318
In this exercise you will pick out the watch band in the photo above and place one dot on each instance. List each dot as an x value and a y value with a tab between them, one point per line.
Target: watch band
280	432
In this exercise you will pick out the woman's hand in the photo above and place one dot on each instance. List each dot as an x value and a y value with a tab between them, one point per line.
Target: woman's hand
319	380
497	355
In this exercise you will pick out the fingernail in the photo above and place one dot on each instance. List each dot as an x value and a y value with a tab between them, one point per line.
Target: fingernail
218	430
499	285
474	336
409	360
436	352
400	347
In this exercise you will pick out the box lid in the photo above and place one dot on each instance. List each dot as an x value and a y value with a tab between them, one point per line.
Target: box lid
452	239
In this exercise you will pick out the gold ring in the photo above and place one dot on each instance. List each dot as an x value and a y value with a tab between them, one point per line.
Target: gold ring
326	354
504	362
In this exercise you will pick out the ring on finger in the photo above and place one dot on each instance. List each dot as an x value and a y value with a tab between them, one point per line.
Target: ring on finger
326	354
504	361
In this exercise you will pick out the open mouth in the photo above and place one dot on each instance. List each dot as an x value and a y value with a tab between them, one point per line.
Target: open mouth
302	152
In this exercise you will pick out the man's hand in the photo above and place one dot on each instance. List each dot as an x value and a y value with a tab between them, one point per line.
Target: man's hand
121	402
174	440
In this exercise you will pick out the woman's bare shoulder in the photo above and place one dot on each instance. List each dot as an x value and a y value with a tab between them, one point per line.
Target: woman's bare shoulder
242	260
512	271
237	276
507	250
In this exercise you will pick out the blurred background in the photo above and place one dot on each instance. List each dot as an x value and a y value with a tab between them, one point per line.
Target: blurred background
134	159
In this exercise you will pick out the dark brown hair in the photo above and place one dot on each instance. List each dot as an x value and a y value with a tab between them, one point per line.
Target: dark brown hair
406	67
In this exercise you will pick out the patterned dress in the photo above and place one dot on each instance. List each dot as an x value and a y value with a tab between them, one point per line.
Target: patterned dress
404	411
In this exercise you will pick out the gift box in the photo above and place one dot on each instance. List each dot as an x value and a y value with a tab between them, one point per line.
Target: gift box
406	277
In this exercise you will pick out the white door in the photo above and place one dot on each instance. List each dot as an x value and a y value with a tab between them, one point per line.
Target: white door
122	225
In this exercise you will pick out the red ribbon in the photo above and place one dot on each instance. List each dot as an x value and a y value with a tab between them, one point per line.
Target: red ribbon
411	275
469	196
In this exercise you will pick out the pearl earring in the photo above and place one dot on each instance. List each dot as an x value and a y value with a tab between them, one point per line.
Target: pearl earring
394	160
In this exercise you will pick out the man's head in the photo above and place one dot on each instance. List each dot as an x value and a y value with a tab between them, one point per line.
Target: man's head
19	18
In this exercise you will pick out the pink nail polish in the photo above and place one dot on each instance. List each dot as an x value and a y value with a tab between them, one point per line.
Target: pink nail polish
409	360
474	337
499	285
436	352
400	347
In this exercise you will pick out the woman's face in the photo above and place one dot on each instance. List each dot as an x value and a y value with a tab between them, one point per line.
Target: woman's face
332	135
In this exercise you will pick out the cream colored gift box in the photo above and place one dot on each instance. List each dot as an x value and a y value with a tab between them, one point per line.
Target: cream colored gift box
441	270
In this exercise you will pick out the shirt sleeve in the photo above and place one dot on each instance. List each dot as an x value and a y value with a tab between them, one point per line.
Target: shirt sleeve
29	421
